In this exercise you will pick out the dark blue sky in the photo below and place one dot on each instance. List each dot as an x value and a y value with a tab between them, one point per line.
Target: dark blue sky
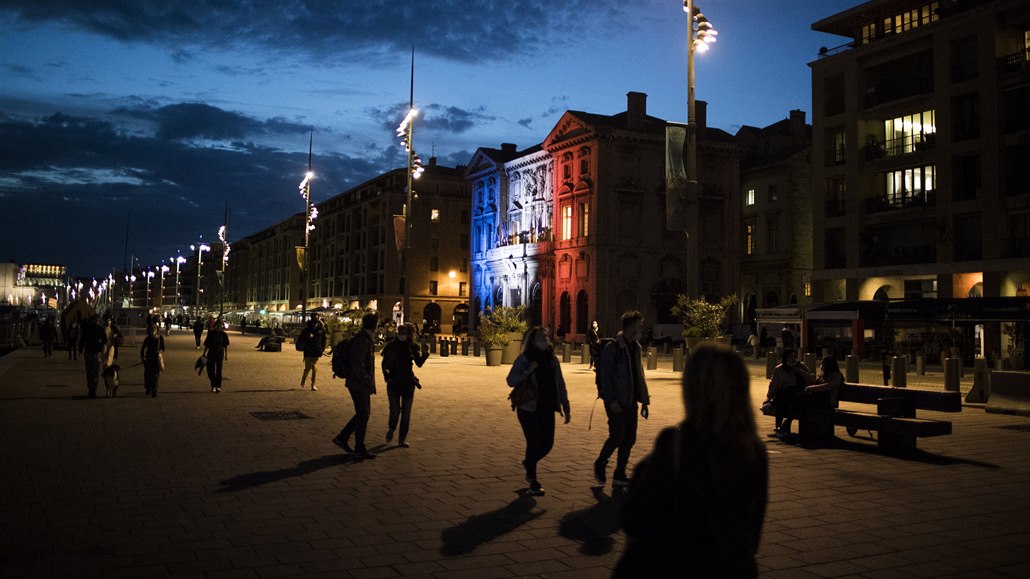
161	110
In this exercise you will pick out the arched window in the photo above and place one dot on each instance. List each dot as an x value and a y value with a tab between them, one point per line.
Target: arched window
582	307
565	311
431	318
536	303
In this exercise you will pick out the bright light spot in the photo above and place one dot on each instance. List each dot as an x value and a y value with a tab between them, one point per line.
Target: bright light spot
452	274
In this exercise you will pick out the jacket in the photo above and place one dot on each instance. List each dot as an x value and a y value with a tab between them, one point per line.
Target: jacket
615	373
361	375
520	372
314	342
398	358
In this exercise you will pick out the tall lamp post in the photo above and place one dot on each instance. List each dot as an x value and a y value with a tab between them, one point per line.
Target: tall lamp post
698	39
200	249
164	269
179	260
149	276
415	169
310	213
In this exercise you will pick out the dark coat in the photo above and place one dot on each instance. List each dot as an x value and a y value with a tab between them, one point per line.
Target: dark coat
398	358
620	360
361	375
696	515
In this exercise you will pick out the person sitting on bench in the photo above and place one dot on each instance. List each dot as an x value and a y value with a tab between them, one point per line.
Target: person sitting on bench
788	380
823	395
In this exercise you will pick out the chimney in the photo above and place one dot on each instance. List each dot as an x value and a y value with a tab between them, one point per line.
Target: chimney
701	116
508	147
797	126
432	161
636	110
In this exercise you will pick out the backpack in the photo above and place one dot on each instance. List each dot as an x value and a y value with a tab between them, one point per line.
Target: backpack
602	344
341	359
302	341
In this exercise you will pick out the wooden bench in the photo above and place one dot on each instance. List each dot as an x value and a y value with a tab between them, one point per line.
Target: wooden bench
894	420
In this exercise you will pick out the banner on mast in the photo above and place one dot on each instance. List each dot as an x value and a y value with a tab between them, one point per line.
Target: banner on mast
675	178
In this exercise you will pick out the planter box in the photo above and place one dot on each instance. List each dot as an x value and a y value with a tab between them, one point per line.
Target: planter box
513	349
695	342
493	356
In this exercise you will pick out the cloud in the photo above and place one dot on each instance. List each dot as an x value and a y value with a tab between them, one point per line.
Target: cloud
183	121
526	122
19	70
332	32
449	119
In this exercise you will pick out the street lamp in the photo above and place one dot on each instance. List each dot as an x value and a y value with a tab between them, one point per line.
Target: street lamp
310	213
131	279
405	131
698	40
149	276
179	260
164	269
200	249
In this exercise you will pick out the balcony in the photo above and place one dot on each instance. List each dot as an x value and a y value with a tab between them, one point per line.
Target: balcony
1015	247
900	146
879	255
835	157
1015	62
908	200
883	93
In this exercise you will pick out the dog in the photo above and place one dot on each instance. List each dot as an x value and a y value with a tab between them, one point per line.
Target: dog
111	379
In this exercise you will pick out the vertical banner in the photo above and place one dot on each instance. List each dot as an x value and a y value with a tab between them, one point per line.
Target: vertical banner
399	231
675	178
300	257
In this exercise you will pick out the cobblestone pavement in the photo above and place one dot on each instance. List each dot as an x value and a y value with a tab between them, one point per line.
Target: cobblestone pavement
193	484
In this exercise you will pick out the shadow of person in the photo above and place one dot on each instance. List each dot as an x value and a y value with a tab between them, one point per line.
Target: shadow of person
595	525
477	530
256	479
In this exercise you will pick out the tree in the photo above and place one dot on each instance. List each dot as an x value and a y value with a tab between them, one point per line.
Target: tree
701	318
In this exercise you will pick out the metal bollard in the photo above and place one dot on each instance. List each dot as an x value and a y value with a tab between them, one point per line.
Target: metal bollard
432	344
444	350
677	360
454	347
899	369
771	359
920	365
851	372
952	374
652	358
566	353
584	354
465	347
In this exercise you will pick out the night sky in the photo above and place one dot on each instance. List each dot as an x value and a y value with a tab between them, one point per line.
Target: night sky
156	112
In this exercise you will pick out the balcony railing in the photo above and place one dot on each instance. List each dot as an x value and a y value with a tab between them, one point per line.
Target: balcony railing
900	146
1015	62
835	157
909	199
880	255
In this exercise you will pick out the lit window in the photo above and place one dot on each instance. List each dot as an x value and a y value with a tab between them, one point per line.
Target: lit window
749	239
433	288
913	186
462	289
909	133
749	199
566	222
808	289
434	215
584	220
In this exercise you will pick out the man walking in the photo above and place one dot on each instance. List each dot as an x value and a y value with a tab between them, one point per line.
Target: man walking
198	329
594	343
361	383
92	340
621	386
216	347
312	342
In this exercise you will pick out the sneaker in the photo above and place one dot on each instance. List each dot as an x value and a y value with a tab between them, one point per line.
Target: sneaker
599	474
343	444
313	389
403	444
218	390
213	390
389	435
619	480
365	454
301	386
536	489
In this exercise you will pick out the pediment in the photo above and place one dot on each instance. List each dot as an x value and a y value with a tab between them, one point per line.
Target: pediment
480	162
569	126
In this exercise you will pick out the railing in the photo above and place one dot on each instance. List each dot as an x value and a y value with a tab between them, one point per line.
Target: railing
900	146
925	198
1014	62
889	92
875	256
835	157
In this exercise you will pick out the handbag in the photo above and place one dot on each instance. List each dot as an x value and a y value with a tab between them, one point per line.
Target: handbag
201	362
767	408
524	393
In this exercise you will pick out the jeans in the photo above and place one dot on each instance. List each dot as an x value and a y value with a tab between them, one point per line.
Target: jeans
151	374
93	365
622	434
48	349
358	424
197	336
538	427
400	407
73	352
310	364
805	401
214	372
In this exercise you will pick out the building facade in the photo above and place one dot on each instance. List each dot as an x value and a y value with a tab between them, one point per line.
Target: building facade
921	143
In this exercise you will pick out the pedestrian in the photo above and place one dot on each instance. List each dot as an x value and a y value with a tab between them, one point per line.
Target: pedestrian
822	395
216	350
753	342
243	325
114	335
71	336
594	343
885	365
401	382
311	341
537	371
198	330
110	369
168	324
787	335
697	502
151	353
47	335
361	383
560	334
789	378
92	340
621	387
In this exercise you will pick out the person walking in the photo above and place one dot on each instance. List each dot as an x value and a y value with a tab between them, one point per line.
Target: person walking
787	335
594	343
243	325
621	386
789	378
697	502
71	336
216	350
538	369
151	353
312	343
92	340
398	356
822	395
753	342
361	383
198	330
47	335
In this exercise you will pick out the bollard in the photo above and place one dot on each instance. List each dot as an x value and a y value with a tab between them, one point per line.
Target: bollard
899	376
771	359
444	350
432	344
652	358
812	362
952	374
584	354
465	347
476	348
666	348
454	346
677	360
981	382
851	365
920	365
999	363
566	353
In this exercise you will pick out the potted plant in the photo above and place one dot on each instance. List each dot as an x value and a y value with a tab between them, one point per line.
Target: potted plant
512	322
703	320
493	339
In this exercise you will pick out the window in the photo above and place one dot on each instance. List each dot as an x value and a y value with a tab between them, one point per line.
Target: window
772	234
433	288
913	186
462	289
965	113
835	248
966	170
910	19
749	239
464	267
749	197
833	95
963	59
463	241
584	167
434	215
836	196
566	222
434	263
773	193
909	133
838	153
808	287
567	171
584	220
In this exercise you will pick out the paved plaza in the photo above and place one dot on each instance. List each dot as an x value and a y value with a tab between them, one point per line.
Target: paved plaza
194	484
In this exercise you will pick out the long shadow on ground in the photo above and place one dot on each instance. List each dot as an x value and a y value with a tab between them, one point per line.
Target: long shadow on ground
256	479
917	455
594	525
478	530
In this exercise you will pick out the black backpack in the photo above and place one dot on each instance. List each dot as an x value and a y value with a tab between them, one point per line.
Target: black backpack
302	341
341	359
604	343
